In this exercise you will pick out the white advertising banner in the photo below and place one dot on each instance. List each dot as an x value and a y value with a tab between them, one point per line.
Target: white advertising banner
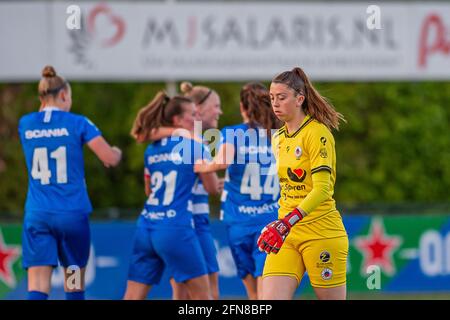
225	41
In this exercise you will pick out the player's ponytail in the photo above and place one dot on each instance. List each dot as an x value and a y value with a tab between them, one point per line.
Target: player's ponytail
51	83
158	113
255	100
314	104
198	94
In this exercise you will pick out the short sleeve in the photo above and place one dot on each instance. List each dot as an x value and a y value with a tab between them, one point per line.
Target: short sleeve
321	149
88	131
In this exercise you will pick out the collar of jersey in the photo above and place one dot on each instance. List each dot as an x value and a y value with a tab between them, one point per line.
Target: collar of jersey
51	108
305	122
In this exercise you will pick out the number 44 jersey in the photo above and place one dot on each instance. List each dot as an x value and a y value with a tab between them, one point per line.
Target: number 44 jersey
52	141
251	188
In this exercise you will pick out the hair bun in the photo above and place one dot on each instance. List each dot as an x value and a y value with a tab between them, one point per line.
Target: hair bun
186	87
48	72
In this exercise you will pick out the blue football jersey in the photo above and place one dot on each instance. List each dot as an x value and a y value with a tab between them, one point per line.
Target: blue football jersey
52	141
251	189
200	200
170	163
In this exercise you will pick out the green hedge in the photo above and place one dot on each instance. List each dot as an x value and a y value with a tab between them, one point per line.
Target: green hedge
395	147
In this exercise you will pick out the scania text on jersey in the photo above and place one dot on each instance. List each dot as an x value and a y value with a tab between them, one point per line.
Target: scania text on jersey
46	133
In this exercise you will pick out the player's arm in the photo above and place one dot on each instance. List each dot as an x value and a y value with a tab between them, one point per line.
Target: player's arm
275	233
221	161
161	133
110	156
147	182
167	132
210	182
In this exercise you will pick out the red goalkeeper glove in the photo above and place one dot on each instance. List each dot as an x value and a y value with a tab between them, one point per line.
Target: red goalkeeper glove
274	234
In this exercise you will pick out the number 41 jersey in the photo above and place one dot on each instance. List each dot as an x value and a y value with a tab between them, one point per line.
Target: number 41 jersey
52	141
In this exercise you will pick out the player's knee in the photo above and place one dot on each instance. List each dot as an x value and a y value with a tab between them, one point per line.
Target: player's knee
134	295
201	295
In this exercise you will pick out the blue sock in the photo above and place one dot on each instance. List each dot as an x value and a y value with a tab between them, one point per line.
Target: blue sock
37	295
78	295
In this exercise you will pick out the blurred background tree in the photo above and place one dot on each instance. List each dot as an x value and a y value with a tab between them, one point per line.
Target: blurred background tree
394	151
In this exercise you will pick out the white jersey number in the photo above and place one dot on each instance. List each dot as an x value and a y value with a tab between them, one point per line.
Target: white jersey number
251	182
157	179
40	170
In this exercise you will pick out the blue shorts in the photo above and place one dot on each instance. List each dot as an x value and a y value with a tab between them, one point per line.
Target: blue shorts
176	249
49	237
203	231
243	245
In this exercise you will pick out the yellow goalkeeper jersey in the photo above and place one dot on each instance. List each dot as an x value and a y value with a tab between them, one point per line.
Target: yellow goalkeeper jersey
299	155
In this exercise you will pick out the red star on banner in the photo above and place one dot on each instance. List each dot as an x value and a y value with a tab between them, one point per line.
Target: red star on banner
378	247
8	255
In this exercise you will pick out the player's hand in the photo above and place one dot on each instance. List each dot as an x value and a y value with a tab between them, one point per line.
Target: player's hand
273	235
118	156
117	150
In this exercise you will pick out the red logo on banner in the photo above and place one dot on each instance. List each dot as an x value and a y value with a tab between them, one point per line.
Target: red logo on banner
115	22
378	247
432	39
8	255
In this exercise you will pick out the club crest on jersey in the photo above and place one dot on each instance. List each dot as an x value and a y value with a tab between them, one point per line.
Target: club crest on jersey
326	274
296	175
298	152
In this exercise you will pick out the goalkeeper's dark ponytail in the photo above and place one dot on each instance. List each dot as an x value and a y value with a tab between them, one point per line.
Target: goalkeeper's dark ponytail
314	104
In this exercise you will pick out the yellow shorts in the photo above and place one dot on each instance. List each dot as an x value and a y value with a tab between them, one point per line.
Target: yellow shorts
319	247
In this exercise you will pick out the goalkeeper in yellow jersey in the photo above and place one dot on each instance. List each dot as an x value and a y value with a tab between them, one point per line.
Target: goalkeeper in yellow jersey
309	234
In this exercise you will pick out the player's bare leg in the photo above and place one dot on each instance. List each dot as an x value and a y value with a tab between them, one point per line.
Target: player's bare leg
136	290
337	293
179	290
214	285
251	287
39	278
279	287
70	283
199	288
259	287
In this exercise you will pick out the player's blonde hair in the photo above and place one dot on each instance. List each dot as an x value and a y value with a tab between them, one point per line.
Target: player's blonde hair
198	94
51	84
314	104
157	113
